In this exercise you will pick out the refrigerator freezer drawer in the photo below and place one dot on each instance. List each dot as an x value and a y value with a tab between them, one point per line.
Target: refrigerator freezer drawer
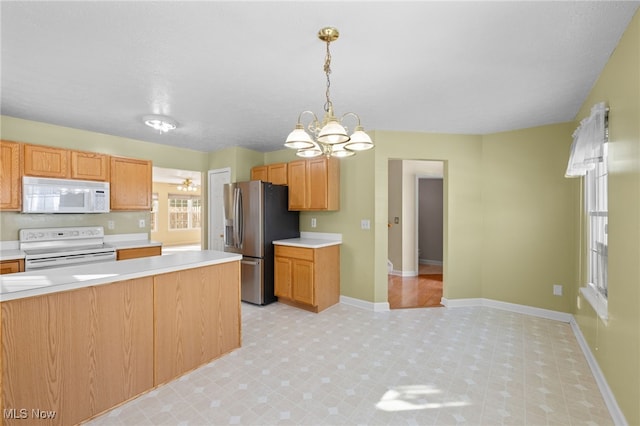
251	273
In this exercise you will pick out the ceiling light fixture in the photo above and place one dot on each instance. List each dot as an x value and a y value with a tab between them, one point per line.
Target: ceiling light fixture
330	137
188	186
160	122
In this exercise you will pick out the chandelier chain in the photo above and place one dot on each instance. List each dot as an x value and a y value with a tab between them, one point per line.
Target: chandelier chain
327	71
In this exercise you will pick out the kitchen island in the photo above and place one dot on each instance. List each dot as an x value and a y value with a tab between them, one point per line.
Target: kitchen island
77	341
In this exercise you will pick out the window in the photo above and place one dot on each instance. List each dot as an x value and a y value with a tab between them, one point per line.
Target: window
185	212
588	159
595	193
154	212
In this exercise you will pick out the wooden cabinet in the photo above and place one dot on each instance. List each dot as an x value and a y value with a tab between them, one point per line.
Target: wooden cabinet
85	351
260	173
46	161
274	173
197	317
10	184
131	184
308	278
11	266
80	352
89	166
314	184
136	252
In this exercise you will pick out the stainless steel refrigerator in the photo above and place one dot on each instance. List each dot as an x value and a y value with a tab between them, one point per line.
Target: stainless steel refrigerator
257	213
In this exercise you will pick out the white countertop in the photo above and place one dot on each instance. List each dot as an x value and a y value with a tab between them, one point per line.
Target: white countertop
9	250
53	280
11	254
312	240
133	244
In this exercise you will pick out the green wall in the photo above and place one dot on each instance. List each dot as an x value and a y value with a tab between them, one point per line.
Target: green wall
462	156
616	343
529	210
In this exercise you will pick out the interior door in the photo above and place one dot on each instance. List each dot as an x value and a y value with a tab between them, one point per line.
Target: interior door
217	179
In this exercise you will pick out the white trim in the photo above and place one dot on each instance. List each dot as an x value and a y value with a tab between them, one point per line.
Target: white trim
605	390
430	262
404	273
597	302
511	307
363	304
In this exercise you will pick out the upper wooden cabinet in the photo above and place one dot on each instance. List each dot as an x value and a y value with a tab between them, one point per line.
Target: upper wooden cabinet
260	173
10	186
131	184
46	161
314	184
89	166
274	173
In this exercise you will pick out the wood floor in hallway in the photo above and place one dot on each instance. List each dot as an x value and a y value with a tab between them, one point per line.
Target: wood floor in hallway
422	291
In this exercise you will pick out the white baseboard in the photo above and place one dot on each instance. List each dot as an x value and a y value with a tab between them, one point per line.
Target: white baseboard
430	262
605	390
404	273
363	304
512	307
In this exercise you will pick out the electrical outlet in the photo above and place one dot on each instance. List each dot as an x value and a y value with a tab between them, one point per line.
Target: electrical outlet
557	290
141	223
313	222
111	224
365	224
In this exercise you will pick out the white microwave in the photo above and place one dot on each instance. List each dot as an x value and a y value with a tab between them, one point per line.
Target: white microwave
46	195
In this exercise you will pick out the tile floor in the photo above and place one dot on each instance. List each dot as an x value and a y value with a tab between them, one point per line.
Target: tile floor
435	366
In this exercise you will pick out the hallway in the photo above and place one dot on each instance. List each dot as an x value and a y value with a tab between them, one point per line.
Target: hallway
422	291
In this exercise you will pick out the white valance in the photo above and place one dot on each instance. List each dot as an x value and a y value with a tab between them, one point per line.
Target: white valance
588	142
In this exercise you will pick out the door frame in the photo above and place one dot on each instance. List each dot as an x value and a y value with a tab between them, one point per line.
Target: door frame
210	191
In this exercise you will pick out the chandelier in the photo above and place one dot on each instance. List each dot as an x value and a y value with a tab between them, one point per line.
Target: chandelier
330	137
188	186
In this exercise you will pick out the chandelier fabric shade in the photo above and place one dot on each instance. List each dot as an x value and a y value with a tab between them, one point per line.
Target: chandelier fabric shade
330	136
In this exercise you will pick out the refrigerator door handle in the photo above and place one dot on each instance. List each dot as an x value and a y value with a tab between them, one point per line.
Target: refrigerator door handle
250	262
240	217
235	217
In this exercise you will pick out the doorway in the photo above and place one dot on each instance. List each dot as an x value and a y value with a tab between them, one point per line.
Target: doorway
416	232
176	213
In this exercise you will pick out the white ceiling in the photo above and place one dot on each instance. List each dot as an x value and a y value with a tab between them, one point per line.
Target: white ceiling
238	72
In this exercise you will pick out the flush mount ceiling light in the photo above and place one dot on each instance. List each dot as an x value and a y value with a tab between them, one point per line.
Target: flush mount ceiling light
161	123
188	186
330	137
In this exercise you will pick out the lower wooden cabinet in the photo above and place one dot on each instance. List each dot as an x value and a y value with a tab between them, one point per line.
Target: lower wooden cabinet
136	252
11	266
308	278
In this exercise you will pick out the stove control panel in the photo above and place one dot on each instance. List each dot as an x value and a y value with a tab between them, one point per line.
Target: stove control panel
57	234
